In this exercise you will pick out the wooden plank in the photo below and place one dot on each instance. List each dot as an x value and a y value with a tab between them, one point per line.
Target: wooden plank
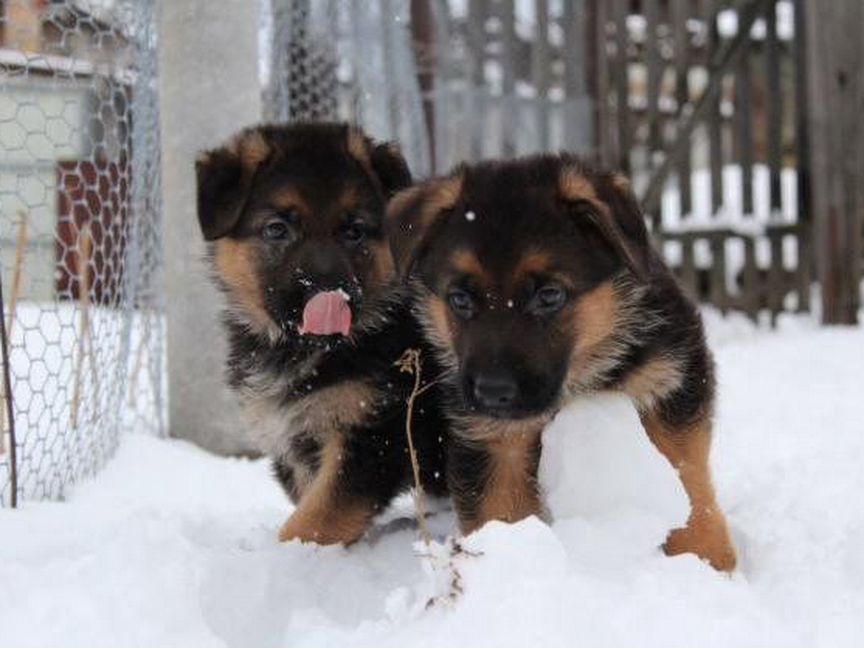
508	77
774	106
688	268
775	284
680	14
750	288
541	64
714	118
835	92
622	86
744	125
476	86
802	153
718	294
654	75
423	46
599	79
574	56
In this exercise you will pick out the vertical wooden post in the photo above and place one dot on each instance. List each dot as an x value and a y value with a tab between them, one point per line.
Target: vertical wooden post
835	96
423	39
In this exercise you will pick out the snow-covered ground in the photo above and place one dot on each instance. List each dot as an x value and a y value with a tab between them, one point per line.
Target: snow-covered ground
169	546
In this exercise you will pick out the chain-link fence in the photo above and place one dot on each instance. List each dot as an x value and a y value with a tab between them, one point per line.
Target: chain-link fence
79	237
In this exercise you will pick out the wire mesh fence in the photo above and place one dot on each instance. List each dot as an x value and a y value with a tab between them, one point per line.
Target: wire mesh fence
79	237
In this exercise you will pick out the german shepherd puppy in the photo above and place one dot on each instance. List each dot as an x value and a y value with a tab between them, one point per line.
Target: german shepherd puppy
535	280
316	319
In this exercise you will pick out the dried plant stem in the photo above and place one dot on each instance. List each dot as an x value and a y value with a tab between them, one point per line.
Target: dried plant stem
85	339
21	241
20	249
410	363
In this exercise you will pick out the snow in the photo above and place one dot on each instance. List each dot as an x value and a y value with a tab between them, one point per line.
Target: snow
171	546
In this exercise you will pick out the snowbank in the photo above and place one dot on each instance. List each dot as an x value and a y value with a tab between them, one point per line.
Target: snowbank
171	546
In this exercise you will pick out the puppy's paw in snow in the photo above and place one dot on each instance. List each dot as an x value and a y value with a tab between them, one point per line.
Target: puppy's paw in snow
708	538
343	525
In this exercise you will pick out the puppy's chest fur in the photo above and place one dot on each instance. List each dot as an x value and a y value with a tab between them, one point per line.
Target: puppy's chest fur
295	395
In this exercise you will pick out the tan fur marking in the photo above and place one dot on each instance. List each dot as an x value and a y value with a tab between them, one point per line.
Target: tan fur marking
437	321
358	147
533	262
324	515
652	381
442	195
706	533
467	263
334	408
621	183
383	269
438	196
478	428
595	317
252	149
289	198
512	493
234	264
575	186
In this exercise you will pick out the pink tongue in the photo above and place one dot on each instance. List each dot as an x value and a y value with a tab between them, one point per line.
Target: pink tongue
327	313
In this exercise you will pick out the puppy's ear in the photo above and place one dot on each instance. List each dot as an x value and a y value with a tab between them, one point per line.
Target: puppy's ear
413	216
384	162
390	167
608	203
224	177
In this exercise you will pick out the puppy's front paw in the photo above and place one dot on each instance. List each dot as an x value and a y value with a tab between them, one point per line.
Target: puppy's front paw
707	537
343	526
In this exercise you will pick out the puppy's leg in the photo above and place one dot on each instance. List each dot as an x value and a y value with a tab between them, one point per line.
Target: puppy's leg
326	512
687	447
495	479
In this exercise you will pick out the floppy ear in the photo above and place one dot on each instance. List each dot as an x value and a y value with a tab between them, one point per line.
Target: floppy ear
383	162
413	216
224	177
607	201
390	167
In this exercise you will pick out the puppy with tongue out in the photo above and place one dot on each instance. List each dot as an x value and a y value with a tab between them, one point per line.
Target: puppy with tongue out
327	313
316	320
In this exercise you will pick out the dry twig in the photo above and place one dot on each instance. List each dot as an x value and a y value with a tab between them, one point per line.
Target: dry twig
410	363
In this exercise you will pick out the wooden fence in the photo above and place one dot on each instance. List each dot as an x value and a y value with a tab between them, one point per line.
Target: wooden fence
703	102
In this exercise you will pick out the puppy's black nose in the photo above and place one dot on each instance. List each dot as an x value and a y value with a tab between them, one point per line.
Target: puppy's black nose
495	390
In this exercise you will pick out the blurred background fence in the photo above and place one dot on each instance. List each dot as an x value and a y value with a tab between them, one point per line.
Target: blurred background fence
716	108
80	238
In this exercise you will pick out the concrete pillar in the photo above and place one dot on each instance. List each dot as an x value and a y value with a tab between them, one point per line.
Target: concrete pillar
209	88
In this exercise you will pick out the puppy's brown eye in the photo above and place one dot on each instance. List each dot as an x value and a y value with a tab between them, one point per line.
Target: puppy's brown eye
461	302
548	299
275	230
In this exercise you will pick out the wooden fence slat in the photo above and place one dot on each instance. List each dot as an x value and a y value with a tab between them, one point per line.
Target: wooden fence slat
750	296
744	125
802	145
715	118
717	272
726	58
680	15
774	105
540	72
622	85
689	276
475	88
508	77
654	75
573	56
